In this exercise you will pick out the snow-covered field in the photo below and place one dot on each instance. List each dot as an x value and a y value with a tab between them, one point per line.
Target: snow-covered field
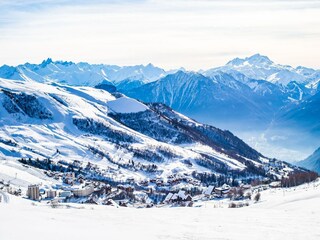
290	214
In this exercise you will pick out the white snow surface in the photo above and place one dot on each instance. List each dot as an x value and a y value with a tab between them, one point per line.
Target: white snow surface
127	105
281	214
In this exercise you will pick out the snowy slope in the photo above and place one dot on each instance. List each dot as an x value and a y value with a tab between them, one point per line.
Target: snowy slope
126	105
82	123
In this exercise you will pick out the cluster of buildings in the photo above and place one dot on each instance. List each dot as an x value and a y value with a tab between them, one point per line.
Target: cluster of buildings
36	193
7	187
181	198
78	188
170	181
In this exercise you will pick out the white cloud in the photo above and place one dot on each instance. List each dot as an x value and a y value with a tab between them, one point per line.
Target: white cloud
194	34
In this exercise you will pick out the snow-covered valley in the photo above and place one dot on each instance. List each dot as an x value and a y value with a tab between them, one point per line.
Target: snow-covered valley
280	214
95	162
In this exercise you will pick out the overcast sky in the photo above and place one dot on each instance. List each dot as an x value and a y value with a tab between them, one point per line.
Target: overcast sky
168	33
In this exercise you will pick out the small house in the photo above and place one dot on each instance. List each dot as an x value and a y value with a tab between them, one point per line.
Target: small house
209	191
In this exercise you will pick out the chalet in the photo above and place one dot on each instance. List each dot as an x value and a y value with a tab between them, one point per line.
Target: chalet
209	191
159	182
149	205
181	196
168	198
76	163
17	192
144	183
123	204
111	202
223	190
276	184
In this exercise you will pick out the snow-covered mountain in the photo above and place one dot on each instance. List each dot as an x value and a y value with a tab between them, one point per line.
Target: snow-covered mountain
260	67
254	87
250	94
80	74
122	135
214	99
312	162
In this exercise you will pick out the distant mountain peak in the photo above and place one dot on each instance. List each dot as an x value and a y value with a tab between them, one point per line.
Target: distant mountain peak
46	62
183	73
235	61
256	59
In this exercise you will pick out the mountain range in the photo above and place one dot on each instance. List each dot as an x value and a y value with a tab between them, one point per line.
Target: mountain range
271	106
